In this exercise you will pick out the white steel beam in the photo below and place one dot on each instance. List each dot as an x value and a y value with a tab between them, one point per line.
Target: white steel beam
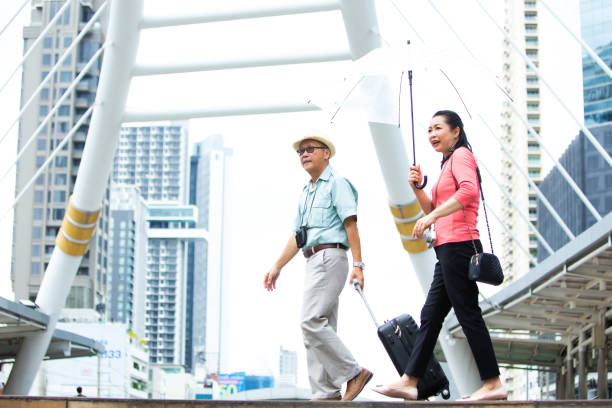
251	10
362	31
238	62
123	36
134	115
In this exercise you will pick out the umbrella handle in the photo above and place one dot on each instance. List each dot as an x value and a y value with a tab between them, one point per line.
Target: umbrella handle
422	186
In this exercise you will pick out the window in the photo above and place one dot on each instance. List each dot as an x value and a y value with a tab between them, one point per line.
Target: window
43	110
36	250
37	213
59	197
38	196
36	232
64	110
67	42
48	42
58	213
61	161
66	76
60	179
67	60
40	160
46	59
35	268
40	180
44	94
63	127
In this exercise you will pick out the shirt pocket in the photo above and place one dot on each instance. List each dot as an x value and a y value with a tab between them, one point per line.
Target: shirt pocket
322	213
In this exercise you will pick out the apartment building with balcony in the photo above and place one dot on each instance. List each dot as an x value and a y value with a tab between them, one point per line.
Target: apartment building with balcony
40	211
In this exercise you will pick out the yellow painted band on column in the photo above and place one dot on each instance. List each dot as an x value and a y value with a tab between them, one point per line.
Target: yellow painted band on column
405	211
405	228
70	248
82	217
414	246
77	232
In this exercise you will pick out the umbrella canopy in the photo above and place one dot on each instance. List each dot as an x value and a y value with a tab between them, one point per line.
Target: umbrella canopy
439	81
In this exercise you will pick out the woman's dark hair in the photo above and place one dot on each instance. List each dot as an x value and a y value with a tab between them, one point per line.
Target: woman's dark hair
454	121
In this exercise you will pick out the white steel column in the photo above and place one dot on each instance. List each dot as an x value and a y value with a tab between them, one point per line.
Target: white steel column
123	36
362	31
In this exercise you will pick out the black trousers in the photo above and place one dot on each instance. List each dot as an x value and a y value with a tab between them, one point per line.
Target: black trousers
452	288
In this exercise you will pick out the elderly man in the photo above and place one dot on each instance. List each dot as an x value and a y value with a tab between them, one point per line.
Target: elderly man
326	226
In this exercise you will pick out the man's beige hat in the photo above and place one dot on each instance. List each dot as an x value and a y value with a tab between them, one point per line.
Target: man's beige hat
319	137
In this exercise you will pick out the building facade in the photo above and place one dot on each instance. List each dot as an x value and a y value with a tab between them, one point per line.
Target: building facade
581	160
208	278
127	257
39	213
170	229
152	157
522	84
121	372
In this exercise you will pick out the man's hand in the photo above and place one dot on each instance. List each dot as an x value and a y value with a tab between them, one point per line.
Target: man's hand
271	277
356	274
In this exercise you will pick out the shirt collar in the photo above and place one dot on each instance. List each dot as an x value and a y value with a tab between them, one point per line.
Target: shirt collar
327	173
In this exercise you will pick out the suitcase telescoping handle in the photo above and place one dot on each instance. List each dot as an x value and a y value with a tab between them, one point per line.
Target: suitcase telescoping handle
360	291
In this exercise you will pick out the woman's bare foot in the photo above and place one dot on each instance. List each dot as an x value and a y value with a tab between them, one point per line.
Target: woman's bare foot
405	387
492	389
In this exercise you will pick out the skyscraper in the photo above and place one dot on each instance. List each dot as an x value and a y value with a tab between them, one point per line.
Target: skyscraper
127	257
208	272
40	212
170	229
585	164
152	157
521	82
596	28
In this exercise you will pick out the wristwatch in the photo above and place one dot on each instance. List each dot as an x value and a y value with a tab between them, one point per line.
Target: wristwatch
359	265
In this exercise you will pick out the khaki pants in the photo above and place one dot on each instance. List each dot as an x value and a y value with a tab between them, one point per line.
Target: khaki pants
330	363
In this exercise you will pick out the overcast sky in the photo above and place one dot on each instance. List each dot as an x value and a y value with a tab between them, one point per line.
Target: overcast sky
267	178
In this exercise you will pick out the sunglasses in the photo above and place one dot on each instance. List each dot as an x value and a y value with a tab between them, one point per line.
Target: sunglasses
309	149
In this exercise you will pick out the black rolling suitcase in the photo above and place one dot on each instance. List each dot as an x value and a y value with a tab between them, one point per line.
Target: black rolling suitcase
397	336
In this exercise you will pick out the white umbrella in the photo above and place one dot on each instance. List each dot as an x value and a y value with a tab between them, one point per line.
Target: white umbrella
423	81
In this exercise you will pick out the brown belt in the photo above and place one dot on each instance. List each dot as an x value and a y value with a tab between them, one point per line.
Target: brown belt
308	252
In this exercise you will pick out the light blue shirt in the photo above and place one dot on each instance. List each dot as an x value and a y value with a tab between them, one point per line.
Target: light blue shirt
333	199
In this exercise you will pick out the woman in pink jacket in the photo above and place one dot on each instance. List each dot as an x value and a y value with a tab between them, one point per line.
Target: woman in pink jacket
453	210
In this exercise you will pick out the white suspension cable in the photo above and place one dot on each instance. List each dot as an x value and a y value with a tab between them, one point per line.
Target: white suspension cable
519	212
561	169
57	105
37	41
14	16
407	22
531	65
57	65
586	46
49	159
509	232
558	165
541	196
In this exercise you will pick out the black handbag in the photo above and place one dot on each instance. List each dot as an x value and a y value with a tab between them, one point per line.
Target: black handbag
484	267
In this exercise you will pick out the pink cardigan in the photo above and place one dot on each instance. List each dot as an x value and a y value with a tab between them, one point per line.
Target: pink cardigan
453	227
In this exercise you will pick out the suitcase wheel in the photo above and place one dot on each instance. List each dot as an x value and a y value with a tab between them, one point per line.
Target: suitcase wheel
445	393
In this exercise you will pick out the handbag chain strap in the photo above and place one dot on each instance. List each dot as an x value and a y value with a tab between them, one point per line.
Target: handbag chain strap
483	206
